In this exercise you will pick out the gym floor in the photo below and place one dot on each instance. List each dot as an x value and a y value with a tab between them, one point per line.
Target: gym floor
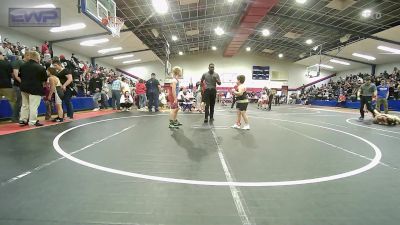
296	166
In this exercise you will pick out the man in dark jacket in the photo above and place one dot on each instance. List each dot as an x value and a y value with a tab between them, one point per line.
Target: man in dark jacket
153	88
33	75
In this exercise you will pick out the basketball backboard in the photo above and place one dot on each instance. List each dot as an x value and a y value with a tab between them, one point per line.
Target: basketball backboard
313	71
98	9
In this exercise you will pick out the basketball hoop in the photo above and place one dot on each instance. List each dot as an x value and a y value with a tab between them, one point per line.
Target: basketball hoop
114	24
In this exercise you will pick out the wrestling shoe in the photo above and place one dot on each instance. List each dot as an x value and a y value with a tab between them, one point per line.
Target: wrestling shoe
177	123
173	126
235	126
246	127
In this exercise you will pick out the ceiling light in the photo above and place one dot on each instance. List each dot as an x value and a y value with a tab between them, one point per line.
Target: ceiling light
280	55
301	1
106	50
161	6
131	61
94	42
324	66
180	53
368	57
315	48
248	49
123	56
392	50
45	6
266	32
214	48
366	13
231	0
219	31
75	26
309	41
174	38
339	62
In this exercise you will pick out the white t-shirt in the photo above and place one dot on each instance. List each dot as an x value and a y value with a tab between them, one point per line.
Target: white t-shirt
126	100
125	87
162	98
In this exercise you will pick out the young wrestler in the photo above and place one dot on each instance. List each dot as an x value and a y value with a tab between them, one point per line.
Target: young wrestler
173	97
55	87
385	119
241	103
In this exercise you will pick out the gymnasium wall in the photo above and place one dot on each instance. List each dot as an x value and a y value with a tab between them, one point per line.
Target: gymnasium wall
379	69
195	65
15	36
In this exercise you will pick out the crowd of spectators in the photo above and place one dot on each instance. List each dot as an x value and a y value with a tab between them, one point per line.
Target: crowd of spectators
346	88
76	77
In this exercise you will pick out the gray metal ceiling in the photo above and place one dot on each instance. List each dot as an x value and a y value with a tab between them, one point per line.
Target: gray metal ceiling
313	21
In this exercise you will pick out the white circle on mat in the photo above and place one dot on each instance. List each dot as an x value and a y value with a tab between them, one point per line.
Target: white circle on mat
375	161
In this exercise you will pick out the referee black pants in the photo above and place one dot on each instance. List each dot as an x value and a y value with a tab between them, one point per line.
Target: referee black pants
209	96
366	100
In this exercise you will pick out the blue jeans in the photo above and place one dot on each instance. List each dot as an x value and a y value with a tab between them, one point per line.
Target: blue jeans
18	104
68	103
153	100
142	100
116	96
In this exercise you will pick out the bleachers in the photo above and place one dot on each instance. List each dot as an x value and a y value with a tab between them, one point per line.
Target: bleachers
81	103
394	105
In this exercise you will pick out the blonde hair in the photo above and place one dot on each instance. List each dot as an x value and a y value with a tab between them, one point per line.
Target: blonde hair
34	56
177	71
27	55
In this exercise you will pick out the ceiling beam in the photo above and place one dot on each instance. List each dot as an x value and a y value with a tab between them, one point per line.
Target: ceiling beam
121	53
334	28
347	59
79	37
190	43
184	21
280	45
158	26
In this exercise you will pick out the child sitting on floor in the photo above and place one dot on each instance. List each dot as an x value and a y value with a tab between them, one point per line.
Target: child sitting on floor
126	101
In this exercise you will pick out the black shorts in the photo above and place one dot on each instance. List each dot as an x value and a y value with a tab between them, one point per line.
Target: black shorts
242	106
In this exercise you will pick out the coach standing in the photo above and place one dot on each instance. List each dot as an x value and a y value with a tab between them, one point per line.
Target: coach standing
211	80
33	75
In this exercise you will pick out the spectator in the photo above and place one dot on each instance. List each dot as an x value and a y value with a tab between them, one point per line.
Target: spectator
383	94
153	88
126	101
141	92
33	75
116	93
6	88
162	99
124	85
45	47
17	82
95	88
65	77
